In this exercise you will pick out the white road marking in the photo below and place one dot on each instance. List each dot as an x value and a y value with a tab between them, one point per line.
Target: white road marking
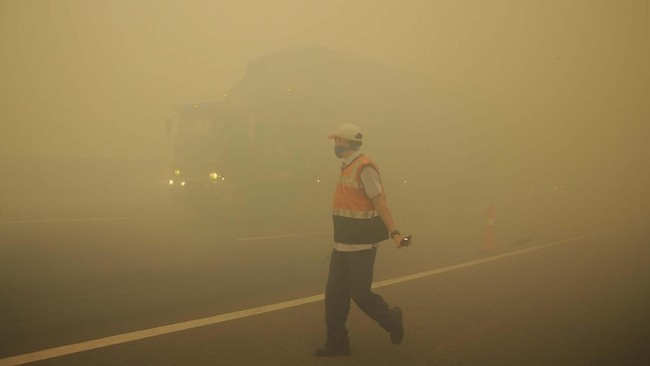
177	327
284	236
454	267
48	221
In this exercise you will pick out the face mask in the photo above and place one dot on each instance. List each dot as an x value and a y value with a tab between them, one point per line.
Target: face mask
340	150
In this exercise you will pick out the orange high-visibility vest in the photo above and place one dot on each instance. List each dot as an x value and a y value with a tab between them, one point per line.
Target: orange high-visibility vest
356	220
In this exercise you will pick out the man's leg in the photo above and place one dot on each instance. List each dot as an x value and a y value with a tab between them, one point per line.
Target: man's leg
361	266
337	307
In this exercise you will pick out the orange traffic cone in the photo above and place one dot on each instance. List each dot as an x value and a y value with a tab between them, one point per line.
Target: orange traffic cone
490	240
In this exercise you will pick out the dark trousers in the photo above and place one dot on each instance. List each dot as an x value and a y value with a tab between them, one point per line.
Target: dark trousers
350	277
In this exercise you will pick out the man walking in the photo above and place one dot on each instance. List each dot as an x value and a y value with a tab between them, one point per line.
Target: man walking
361	220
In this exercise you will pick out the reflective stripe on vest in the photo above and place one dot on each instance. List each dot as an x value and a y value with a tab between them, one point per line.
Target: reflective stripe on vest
355	214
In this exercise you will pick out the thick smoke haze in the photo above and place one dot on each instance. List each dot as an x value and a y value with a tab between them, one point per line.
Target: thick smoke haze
523	93
165	167
79	76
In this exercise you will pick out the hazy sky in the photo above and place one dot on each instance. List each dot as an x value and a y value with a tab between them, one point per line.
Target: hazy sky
97	78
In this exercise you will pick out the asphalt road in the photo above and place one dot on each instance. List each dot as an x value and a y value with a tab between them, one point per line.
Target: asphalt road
581	302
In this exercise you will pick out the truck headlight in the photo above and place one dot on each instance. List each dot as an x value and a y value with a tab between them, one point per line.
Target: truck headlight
216	177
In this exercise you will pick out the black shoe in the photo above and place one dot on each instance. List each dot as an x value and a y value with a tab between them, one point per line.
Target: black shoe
397	332
333	350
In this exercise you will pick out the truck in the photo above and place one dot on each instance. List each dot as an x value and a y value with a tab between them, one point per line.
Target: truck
223	158
264	146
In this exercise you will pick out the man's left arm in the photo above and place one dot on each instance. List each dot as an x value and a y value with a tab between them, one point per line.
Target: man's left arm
381	206
374	190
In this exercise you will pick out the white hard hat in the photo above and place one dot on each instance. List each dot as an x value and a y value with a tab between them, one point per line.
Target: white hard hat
349	132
